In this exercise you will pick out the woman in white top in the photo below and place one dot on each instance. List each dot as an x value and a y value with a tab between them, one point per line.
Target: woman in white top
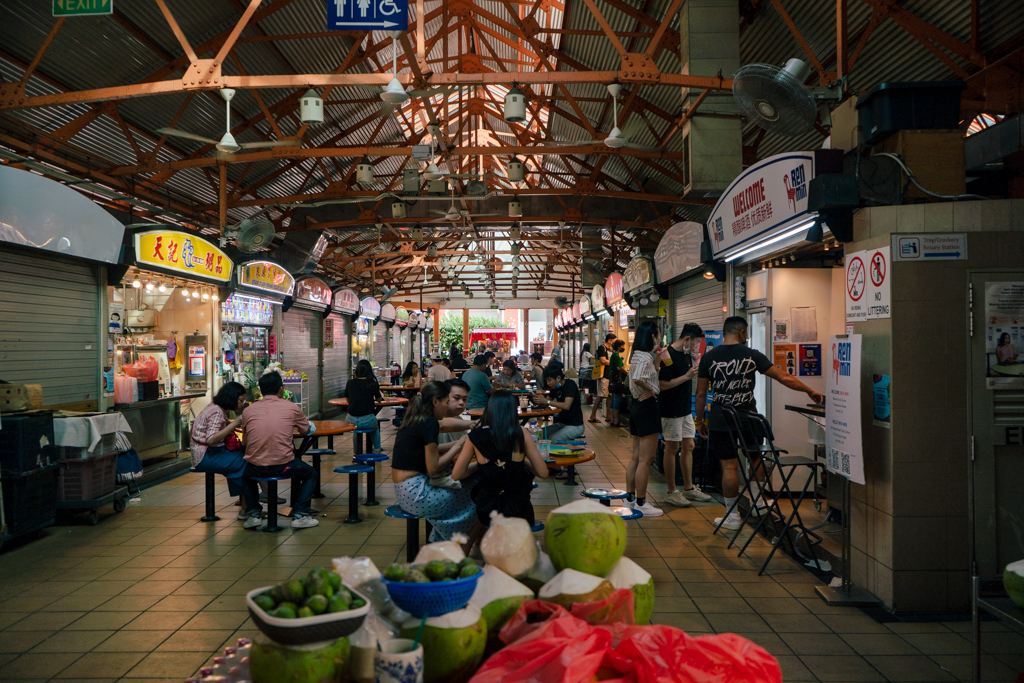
586	357
644	417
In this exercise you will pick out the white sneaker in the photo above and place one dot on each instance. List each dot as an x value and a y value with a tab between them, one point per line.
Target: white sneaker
254	521
304	522
732	522
758	510
626	502
696	494
678	499
648	510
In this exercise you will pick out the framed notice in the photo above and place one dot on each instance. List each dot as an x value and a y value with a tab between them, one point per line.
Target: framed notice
844	448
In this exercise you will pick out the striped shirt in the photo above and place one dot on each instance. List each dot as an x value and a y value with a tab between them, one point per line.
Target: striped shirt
210	421
641	367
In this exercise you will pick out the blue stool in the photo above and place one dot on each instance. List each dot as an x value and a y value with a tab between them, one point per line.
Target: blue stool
537	526
399	416
357	440
353	472
272	526
627	513
412	530
371	487
606	496
535	484
211	512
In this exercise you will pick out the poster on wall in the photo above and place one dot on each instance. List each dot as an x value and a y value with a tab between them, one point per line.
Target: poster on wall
810	360
868	292
1004	335
805	324
328	333
781	334
785	358
844	449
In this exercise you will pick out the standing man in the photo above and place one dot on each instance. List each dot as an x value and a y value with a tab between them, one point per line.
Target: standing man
556	353
601	360
479	383
730	370
676	419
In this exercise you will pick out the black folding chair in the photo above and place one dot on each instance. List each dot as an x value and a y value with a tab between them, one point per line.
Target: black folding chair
751	453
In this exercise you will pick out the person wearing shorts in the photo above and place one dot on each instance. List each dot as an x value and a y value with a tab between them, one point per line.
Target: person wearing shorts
644	418
602	359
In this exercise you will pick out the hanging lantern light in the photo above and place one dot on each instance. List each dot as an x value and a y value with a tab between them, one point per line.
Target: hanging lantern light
311	108
516	171
364	171
515	105
417	232
515	233
515	209
432	251
398	210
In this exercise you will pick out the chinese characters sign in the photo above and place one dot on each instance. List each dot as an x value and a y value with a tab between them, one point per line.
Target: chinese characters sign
267	276
183	253
613	289
844	450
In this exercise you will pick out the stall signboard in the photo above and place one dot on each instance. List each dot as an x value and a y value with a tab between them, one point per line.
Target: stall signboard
766	199
586	310
401	316
329	333
387	313
369	308
844	449
182	253
272	345
246	310
313	290
613	290
416	321
346	301
266	276
679	251
868	285
637	275
430	323
576	317
597	300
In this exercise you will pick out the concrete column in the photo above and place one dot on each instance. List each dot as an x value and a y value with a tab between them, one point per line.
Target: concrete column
465	329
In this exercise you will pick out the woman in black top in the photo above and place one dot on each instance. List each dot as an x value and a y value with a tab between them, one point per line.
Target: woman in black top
362	391
416	456
508	462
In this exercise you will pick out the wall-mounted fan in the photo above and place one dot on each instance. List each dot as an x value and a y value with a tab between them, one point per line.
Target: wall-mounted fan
777	100
227	144
251	235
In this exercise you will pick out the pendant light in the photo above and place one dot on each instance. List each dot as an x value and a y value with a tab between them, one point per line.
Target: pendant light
432	251
149	285
311	108
515	233
137	283
516	171
515	105
163	287
398	210
515	209
364	171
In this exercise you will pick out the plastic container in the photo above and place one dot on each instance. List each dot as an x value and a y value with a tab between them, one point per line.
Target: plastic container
309	629
30	499
891	107
26	442
107	444
432	599
89	478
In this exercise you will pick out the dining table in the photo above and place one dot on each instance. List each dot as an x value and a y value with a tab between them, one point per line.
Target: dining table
524	415
569	462
386	402
329	429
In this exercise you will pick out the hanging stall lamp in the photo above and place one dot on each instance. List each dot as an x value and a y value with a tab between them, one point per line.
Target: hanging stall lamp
515	233
516	171
137	283
515	209
364	171
311	108
515	105
417	232
398	210
432	251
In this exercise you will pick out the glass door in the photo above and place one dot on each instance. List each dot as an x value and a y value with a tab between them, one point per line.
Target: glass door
758	324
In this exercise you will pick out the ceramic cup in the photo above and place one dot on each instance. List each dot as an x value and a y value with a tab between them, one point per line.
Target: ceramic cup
397	662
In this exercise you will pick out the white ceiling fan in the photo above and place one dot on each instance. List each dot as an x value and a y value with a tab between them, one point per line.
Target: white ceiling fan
227	143
394	93
454	214
615	139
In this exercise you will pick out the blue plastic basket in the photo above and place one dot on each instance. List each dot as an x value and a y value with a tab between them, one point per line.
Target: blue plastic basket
432	599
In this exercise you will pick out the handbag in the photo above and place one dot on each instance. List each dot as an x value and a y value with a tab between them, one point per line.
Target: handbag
232	442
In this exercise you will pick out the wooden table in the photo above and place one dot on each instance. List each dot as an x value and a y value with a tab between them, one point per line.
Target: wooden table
526	415
384	403
396	388
570	462
328	428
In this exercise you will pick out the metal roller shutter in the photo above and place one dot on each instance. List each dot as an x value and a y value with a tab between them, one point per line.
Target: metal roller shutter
303	331
406	347
380	345
696	300
337	362
49	321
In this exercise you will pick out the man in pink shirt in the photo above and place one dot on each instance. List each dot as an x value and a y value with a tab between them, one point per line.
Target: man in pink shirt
268	426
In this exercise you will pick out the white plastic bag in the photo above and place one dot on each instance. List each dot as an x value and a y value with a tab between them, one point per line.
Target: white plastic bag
442	550
509	544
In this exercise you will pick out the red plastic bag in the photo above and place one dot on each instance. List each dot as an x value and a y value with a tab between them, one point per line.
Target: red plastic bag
616	609
563	648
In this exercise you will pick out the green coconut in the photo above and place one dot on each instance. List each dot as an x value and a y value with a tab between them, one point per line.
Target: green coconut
585	536
326	662
628	574
571	586
1013	579
499	597
453	644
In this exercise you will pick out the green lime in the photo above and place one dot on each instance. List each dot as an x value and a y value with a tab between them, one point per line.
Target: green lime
265	602
289	605
344	594
416	575
328	590
305	612
283	613
334	578
436	570
451	569
395	572
294	591
314	584
357	603
336	603
317	603
469	570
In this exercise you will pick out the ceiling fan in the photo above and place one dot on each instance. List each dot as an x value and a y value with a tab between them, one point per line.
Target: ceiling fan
227	144
394	93
454	214
615	139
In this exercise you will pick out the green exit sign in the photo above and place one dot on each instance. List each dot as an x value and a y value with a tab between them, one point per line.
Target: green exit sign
79	8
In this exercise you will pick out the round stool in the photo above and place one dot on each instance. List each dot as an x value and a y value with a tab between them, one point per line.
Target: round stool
357	439
353	472
271	526
606	496
412	530
371	488
211	511
627	513
537	526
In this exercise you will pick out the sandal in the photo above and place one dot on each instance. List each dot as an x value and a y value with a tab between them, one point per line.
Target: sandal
594	421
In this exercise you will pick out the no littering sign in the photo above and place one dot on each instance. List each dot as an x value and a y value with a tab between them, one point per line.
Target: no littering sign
868	294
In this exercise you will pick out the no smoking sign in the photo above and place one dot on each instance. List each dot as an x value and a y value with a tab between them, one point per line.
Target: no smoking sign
867	285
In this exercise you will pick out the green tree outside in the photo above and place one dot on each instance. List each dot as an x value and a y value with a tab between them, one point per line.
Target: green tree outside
451	328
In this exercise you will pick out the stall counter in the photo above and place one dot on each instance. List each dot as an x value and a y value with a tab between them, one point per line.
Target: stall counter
156	425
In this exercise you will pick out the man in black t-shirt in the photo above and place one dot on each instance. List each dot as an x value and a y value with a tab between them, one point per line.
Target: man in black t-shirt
677	426
563	393
730	370
602	358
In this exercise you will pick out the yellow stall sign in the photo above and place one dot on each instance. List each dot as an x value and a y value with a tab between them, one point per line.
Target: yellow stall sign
181	252
267	276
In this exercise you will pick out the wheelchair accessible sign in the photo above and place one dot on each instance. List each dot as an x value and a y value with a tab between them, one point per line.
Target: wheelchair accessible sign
367	15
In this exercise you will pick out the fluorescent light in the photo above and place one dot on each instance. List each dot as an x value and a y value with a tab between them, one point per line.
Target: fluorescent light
771	240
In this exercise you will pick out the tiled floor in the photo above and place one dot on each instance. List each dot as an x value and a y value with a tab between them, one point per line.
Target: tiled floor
152	593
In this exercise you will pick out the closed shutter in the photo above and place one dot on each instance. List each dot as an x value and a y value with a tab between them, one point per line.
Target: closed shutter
337	362
696	300
380	345
406	347
49	317
303	331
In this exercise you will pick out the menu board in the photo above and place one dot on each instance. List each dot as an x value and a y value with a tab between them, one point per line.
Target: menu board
246	310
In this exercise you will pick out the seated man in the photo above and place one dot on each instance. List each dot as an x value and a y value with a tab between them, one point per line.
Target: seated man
268	427
479	383
563	393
